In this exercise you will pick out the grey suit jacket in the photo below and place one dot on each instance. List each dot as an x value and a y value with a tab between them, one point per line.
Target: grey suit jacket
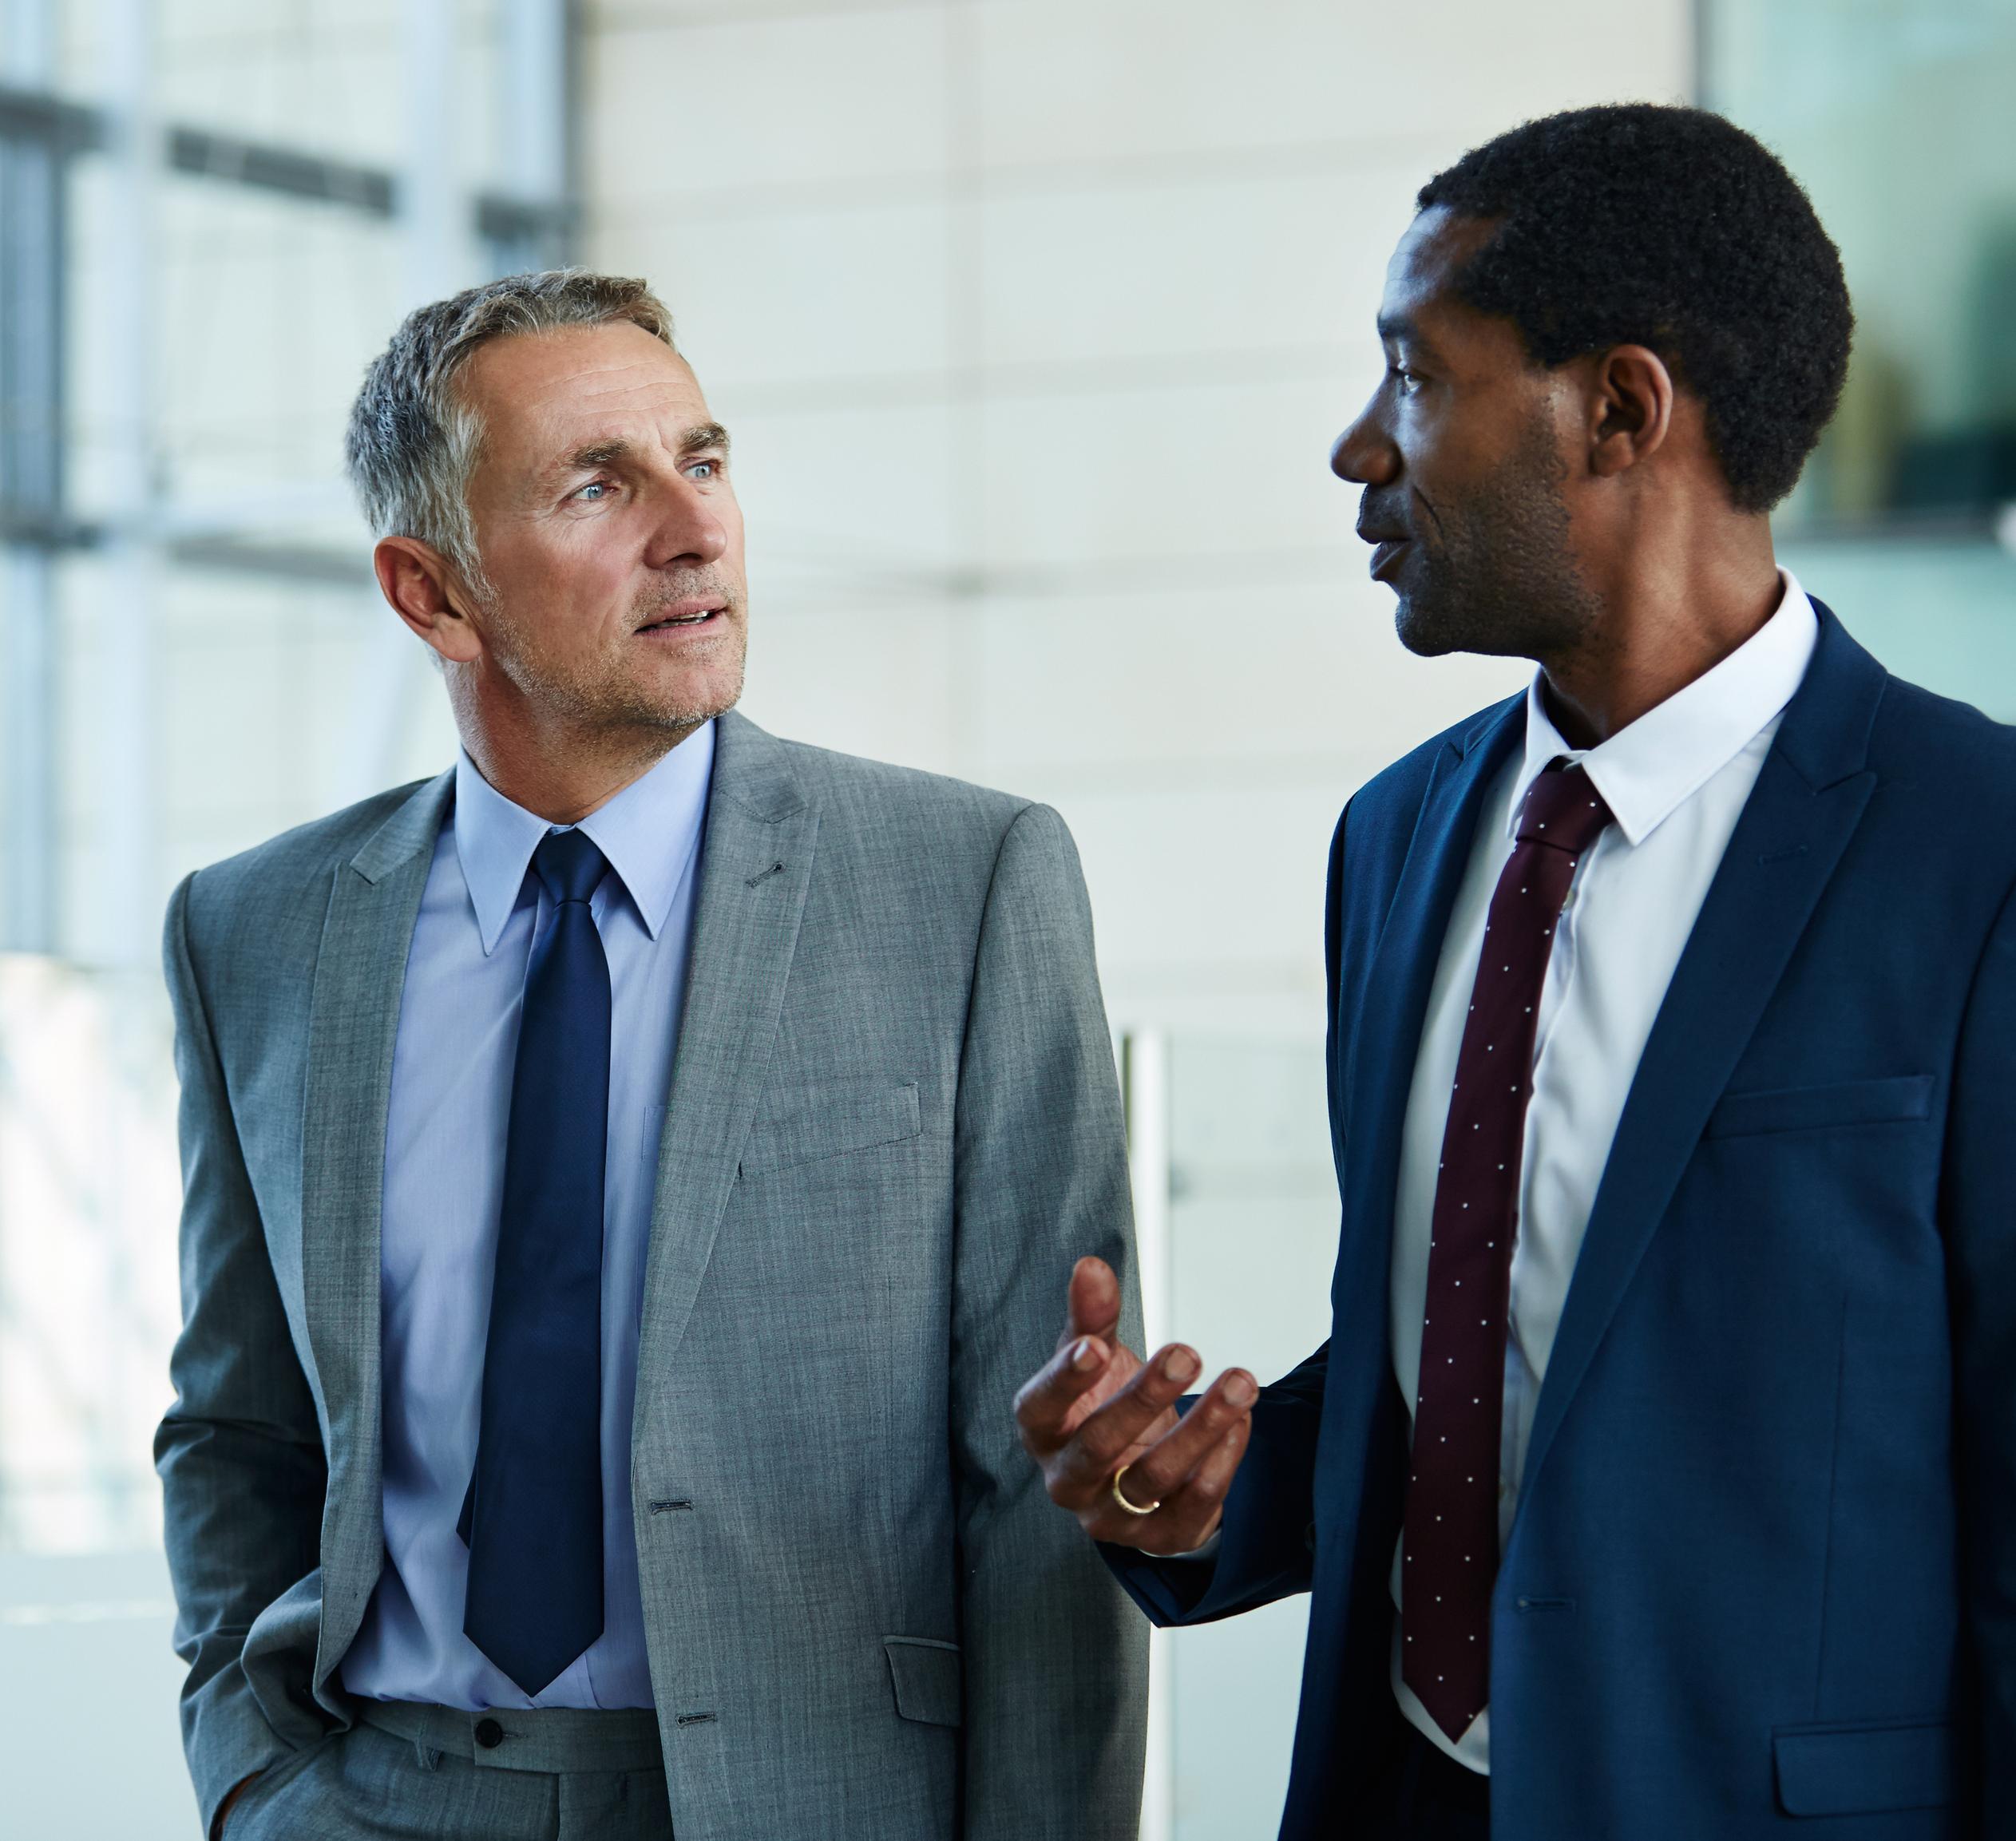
893	1124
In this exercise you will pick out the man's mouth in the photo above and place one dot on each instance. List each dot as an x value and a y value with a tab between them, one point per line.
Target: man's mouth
686	614
1383	556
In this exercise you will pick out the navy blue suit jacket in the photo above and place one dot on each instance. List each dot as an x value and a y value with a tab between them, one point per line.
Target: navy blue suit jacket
1762	1582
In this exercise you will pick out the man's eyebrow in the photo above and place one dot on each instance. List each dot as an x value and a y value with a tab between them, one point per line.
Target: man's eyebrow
1399	325
600	454
613	452
703	435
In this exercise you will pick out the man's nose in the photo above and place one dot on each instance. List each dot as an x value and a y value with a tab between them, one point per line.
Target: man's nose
689	527
1364	455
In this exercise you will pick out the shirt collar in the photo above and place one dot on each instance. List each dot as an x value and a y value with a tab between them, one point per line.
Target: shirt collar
1647	770
648	832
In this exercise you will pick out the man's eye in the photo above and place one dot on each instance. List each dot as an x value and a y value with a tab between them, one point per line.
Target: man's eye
595	491
1409	380
705	470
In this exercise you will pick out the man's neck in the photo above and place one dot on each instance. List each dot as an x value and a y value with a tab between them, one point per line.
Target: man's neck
1652	642
565	780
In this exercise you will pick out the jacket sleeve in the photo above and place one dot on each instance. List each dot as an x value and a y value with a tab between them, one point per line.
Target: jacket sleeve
1056	1660
1263	1549
1980	1223
240	1452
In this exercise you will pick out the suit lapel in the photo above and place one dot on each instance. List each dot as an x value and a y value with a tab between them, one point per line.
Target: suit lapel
1395	1001
353	1020
756	865
1807	801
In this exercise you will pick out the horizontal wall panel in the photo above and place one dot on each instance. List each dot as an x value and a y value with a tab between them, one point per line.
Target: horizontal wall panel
864	679
810	100
1207	896
1192	688
1183	471
860	502
781	299
1289	262
1100	80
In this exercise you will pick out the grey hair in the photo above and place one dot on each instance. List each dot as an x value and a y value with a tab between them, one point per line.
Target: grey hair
412	441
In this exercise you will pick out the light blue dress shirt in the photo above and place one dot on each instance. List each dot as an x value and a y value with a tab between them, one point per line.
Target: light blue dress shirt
444	1175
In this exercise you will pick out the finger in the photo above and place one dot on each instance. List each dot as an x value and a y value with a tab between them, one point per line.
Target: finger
1092	1305
1092	1308
1043	1408
1190	1517
1144	1408
1160	1474
1074	1384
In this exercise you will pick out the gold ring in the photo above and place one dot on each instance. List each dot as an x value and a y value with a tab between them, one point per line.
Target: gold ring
1119	1495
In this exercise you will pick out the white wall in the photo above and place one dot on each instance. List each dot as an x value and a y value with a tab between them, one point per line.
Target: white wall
1034	320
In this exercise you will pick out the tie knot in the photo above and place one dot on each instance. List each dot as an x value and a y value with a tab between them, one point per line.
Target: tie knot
1563	808
568	866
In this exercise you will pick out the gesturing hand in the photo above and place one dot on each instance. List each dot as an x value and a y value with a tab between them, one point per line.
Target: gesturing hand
1095	1409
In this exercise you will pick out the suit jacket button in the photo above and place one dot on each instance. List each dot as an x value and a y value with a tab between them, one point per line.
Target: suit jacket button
488	1734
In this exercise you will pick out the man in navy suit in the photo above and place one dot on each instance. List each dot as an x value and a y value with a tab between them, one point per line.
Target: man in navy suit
1658	1481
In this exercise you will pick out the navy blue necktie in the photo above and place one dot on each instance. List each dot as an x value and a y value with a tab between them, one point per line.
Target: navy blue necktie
533	1518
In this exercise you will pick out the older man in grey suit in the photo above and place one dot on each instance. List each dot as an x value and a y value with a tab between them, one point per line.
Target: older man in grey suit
625	1179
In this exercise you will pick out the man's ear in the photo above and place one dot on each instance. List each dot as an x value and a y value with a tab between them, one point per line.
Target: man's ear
426	592
1630	408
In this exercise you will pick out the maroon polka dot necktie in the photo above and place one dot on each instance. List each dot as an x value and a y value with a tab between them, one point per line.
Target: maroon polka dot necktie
1450	1544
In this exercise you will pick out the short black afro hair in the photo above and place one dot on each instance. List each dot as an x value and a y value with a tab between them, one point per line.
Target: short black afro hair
1671	228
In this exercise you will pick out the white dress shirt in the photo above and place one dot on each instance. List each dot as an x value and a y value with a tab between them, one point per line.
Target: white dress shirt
1676	780
453	1064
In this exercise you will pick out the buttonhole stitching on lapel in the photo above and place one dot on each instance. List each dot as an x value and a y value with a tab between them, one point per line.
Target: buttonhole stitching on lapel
695	1720
1783	855
676	1502
763	875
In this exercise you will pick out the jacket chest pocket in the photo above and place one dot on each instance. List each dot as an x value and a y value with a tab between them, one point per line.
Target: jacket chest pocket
829	1119
1900	1100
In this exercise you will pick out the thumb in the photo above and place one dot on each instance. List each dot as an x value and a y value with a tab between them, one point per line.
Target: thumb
1095	1300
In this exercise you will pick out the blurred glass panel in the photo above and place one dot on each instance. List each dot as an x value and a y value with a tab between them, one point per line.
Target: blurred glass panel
285	700
1939	613
280	700
88	1294
327	76
268	309
1895	116
1253	1238
84	1649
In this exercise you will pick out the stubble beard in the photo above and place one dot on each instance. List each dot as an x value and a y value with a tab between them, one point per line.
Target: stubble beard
1496	574
605	700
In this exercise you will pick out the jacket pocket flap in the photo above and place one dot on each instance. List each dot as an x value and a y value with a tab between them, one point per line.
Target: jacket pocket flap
1897	1099
1863	1770
926	1677
825	1119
